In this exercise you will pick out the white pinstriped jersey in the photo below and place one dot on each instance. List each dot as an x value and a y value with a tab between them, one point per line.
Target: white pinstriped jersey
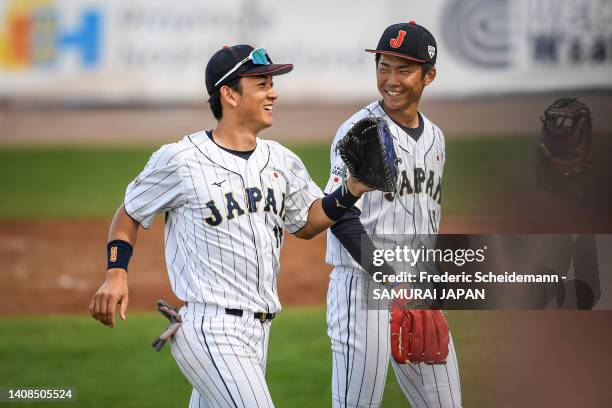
419	186
225	217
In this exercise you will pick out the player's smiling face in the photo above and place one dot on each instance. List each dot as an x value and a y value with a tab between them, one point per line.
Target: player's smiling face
400	81
257	101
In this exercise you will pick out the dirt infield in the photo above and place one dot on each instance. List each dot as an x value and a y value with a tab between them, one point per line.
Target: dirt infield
55	266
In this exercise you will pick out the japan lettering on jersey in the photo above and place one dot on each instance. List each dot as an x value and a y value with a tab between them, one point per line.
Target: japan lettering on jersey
225	217
416	206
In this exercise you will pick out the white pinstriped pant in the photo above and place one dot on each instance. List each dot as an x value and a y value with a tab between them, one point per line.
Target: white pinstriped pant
223	357
361	353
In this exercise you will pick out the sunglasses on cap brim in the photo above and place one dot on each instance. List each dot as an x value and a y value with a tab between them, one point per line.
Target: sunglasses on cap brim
258	56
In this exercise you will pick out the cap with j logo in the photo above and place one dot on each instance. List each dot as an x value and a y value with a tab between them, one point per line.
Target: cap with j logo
408	40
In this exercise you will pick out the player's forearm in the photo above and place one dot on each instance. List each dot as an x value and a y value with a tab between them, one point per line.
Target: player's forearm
316	223
114	290
121	240
354	238
123	227
323	215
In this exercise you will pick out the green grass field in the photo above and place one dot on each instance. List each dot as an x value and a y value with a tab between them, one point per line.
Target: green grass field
118	368
90	182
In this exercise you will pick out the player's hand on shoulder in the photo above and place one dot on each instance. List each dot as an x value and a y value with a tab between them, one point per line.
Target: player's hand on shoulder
113	292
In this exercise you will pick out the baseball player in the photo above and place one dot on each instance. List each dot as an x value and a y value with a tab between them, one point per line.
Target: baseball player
405	65
227	197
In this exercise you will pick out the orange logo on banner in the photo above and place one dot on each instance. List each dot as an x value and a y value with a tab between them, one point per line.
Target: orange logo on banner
31	37
26	32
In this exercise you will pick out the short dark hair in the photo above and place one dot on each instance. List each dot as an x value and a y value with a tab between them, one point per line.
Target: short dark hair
215	99
427	66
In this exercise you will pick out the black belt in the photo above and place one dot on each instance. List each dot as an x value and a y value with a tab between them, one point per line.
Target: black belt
261	316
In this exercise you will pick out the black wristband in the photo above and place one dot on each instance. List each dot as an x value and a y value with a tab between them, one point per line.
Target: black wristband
118	254
337	203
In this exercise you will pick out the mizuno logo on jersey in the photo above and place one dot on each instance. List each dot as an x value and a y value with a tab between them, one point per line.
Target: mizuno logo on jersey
338	204
218	183
433	187
253	196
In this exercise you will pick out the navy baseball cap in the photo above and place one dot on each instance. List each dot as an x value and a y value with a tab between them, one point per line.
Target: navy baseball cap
408	40
236	61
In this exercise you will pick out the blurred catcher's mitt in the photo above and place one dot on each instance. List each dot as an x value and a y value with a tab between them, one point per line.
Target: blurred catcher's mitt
565	143
369	155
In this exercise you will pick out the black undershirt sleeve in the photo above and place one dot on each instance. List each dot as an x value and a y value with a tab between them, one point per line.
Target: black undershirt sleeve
352	235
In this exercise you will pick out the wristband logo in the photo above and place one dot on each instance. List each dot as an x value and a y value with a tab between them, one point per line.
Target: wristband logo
113	254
